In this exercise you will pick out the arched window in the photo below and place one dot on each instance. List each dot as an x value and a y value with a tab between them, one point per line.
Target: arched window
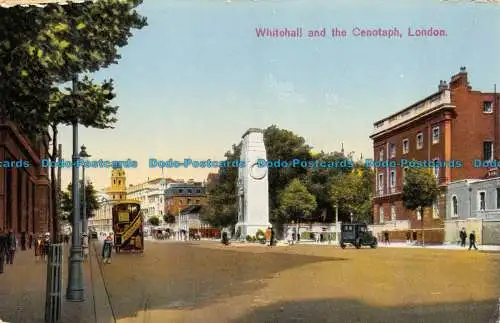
119	182
454	206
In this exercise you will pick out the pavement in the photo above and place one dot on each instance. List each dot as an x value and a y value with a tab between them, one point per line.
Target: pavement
23	285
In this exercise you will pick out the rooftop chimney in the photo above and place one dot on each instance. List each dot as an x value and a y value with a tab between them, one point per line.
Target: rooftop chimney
442	85
460	79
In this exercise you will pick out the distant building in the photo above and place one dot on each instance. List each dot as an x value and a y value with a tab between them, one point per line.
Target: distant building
454	124
181	195
102	220
151	195
118	189
189	220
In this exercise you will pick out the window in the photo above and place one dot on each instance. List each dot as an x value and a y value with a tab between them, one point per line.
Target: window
419	215
454	206
488	107
119	182
188	201
198	190
393	213
482	200
405	171
393	178
181	191
190	191
420	140
435	209
487	150
498	197
406	146
436	168
435	135
381	155
392	150
381	214
380	181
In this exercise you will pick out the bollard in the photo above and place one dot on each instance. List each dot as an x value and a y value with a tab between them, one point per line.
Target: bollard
53	293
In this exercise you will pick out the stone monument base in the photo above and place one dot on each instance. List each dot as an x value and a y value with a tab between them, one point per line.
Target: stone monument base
250	229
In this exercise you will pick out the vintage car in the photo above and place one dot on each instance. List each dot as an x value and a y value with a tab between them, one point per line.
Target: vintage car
357	234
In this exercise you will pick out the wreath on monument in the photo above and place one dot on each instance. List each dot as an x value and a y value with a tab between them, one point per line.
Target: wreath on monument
260	235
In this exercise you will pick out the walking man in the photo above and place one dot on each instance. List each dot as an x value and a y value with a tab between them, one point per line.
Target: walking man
463	237
472	240
11	247
85	246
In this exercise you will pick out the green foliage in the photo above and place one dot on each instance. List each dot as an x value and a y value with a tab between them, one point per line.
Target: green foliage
296	203
43	47
169	218
248	238
92	204
420	189
260	236
222	208
154	221
352	192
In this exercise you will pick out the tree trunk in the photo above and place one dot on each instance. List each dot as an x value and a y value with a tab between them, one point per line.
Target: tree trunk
54	187
422	225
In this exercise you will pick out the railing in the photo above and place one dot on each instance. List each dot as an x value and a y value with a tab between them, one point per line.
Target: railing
53	297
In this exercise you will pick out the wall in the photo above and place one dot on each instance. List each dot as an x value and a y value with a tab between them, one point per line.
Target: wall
491	232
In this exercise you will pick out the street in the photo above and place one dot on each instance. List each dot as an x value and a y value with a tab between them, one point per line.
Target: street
205	281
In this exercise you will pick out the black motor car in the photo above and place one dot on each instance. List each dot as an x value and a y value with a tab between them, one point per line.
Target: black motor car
357	234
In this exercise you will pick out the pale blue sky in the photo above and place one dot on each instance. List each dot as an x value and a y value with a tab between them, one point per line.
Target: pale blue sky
193	81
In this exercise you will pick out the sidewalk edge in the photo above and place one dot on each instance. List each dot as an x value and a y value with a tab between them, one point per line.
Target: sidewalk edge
102	306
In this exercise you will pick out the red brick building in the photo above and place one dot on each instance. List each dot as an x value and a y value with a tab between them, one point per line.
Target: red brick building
455	123
25	204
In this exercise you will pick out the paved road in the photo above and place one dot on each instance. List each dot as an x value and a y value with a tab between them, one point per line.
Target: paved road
208	282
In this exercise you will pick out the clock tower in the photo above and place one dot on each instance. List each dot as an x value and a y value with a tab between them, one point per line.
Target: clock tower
253	186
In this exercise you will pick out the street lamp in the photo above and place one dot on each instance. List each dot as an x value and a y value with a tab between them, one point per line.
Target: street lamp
337	227
84	155
74	291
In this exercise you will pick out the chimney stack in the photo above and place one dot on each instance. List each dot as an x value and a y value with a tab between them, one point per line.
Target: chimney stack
460	79
442	85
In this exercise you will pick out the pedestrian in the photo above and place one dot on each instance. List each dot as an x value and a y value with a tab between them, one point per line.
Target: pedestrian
107	248
23	241
472	240
46	246
85	246
30	240
386	238
463	237
290	236
318	237
3	249
414	237
11	247
271	238
408	237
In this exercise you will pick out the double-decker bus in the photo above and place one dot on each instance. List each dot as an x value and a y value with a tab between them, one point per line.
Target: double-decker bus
128	226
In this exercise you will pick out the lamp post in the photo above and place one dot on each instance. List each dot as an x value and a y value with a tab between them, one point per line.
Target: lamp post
74	291
84	155
337	227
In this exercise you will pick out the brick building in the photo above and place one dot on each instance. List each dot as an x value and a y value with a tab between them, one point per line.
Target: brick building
455	123
181	195
25	203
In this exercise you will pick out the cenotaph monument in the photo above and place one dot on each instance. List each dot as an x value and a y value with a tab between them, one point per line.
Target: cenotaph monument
253	185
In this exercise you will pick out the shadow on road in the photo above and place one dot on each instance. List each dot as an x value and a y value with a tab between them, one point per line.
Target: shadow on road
345	310
176	276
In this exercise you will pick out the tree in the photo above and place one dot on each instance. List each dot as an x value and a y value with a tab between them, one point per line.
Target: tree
91	201
296	203
154	220
352	193
169	218
319	182
221	210
41	48
283	145
420	190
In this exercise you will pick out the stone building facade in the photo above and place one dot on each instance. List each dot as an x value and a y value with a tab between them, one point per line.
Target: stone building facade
25	194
